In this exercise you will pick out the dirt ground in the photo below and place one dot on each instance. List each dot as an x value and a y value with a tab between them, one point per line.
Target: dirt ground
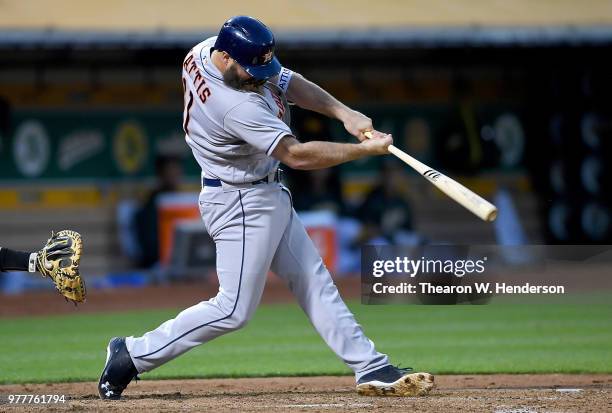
480	393
180	295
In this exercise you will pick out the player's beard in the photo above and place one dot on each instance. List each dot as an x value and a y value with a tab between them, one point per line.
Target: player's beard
232	79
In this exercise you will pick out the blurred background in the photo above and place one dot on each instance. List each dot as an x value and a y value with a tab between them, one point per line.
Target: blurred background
511	98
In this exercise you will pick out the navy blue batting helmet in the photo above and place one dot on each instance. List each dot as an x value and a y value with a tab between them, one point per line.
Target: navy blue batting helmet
251	43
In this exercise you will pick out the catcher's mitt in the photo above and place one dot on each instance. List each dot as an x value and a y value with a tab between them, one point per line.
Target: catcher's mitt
59	259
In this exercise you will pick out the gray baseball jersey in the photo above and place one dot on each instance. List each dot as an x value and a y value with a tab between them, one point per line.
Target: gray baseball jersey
231	132
255	228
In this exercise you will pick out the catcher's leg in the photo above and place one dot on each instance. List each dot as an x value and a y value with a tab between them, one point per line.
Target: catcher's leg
298	261
247	227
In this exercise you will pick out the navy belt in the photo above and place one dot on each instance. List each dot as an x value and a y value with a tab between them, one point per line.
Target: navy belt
264	180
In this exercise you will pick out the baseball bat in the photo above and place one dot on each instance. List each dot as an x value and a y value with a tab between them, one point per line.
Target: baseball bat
471	201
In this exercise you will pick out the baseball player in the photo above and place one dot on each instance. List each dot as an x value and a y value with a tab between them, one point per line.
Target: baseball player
236	121
59	260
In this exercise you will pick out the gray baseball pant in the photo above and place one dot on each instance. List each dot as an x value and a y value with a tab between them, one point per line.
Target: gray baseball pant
255	229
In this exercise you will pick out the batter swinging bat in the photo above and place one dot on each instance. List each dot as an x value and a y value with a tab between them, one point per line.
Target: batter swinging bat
474	203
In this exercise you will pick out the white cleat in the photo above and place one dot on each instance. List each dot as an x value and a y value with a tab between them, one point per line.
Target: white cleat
392	381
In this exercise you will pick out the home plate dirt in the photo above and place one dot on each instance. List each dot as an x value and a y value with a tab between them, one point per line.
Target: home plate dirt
479	393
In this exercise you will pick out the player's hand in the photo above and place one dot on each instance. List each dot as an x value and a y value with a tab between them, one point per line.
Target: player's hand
378	144
356	124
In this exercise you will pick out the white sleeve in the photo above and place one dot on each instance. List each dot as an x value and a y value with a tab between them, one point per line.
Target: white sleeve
283	79
254	123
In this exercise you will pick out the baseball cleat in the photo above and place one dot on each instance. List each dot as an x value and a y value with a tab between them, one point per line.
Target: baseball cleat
118	372
394	381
